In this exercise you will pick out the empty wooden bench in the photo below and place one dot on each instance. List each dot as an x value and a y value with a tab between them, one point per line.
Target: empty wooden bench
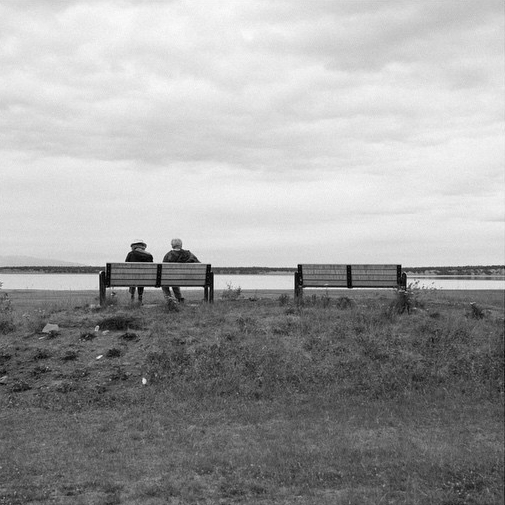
157	275
348	276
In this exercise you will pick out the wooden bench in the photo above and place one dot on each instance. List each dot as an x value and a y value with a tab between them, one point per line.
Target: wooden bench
348	276
157	275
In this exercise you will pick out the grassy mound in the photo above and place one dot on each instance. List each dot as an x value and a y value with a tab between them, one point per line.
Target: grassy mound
333	400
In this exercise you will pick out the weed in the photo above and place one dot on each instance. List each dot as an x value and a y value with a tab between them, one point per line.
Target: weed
129	336
87	336
172	305
113	353
120	321
6	317
475	311
19	386
41	354
409	299
343	302
36	320
231	293
284	300
69	356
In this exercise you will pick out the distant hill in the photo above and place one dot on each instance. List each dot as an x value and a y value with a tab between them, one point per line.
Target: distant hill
23	261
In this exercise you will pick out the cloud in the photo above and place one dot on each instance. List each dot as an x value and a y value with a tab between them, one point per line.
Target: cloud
244	123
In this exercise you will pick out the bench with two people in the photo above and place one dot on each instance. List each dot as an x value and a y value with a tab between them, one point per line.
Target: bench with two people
183	269
179	268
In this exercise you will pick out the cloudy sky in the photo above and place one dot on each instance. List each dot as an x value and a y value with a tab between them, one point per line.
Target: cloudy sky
261	132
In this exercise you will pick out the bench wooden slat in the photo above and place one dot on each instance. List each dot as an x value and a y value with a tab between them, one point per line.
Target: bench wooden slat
191	267
140	281
325	283
183	282
134	266
373	283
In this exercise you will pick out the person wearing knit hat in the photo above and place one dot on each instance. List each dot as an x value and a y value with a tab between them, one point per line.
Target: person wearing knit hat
138	253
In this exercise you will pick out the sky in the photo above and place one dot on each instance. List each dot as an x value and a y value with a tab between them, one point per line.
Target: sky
260	132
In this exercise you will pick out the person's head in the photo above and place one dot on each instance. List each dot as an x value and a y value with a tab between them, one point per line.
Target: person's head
176	243
138	244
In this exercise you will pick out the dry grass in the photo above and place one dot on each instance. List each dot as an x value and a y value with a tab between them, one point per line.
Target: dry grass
255	402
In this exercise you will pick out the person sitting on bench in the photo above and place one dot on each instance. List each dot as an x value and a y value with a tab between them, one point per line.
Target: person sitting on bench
138	253
177	255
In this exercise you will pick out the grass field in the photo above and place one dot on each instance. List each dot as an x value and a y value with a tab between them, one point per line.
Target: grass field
252	400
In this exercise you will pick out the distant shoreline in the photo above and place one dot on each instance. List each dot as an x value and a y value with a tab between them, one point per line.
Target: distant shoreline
481	272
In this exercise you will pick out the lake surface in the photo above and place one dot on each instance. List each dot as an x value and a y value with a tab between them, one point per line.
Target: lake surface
79	282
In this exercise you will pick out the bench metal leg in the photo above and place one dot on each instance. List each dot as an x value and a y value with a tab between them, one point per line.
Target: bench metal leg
102	290
298	286
211	288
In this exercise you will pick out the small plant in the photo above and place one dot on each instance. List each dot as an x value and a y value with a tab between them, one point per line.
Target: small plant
284	299
345	302
120	322
113	353
475	311
36	320
172	305
231	293
6	319
408	299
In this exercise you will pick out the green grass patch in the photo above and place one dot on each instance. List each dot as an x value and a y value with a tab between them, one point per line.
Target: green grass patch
334	400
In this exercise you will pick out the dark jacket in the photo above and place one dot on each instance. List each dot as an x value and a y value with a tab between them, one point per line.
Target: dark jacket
139	255
180	256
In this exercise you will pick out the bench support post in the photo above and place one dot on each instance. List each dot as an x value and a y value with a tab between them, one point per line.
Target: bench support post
102	290
298	285
403	281
211	288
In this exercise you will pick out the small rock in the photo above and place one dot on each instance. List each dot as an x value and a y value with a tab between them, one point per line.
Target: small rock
50	328
3	380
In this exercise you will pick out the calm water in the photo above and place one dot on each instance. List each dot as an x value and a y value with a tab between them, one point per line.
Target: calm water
90	282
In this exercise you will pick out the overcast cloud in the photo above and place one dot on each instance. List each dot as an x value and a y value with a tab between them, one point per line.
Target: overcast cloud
265	132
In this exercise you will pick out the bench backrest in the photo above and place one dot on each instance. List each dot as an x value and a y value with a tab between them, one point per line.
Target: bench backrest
157	274
349	276
185	274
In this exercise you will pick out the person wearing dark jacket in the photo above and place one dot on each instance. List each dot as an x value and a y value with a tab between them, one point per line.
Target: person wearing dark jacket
138	253
177	255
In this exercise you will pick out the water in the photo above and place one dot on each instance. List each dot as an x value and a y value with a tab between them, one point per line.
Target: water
77	282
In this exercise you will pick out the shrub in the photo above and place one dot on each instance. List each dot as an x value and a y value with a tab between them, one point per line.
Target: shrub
408	299
6	318
120	321
284	299
231	293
